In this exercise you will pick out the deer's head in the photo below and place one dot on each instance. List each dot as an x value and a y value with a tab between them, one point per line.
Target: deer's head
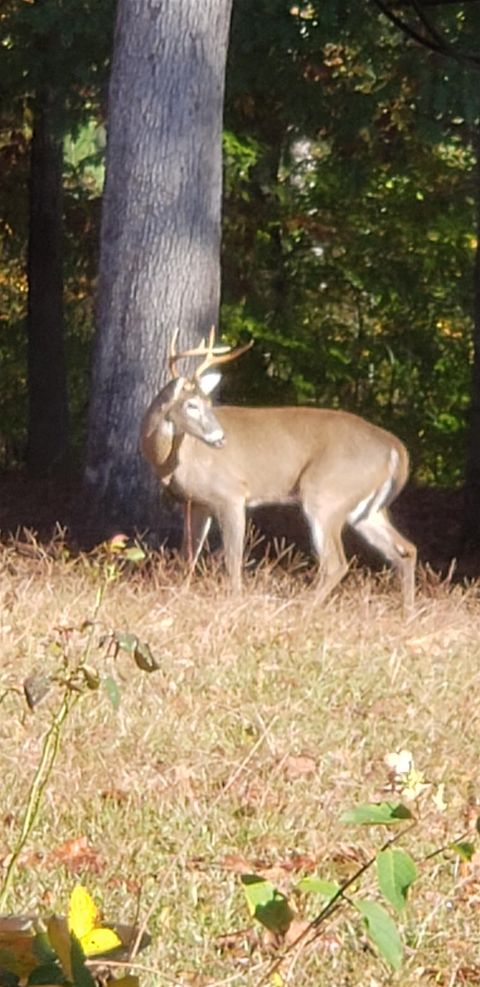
185	401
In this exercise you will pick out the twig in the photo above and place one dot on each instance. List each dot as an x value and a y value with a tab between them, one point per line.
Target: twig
50	749
138	967
332	905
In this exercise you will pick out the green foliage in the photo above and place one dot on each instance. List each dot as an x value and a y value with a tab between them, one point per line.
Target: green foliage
75	677
266	904
60	954
382	931
65	47
350	252
349	209
379	813
395	870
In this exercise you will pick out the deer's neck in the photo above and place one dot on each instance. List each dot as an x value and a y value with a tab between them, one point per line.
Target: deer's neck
161	446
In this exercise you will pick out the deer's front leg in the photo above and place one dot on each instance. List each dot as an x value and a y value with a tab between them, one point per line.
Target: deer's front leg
196	525
231	518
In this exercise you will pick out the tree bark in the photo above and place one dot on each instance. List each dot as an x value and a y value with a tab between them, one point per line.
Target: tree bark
160	236
47	442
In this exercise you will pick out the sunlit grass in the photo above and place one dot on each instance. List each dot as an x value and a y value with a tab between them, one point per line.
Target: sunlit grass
269	715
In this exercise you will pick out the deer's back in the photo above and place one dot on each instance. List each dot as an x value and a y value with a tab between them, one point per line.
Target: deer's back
267	451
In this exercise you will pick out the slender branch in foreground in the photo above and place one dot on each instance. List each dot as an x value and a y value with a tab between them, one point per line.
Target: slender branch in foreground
48	757
332	905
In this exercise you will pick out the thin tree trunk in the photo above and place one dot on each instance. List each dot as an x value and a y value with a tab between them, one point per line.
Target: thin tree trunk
160	238
47	444
471	518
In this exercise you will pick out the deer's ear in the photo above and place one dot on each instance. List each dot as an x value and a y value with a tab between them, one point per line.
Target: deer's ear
208	382
171	391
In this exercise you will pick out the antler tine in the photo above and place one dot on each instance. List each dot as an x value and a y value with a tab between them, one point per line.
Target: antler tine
213	355
219	354
209	350
223	354
173	356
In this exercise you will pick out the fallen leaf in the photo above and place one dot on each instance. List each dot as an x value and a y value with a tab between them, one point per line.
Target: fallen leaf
299	766
297	928
76	855
236	863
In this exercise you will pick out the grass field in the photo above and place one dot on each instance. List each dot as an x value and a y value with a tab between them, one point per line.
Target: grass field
270	714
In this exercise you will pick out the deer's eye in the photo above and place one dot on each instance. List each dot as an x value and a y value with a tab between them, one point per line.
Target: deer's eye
192	409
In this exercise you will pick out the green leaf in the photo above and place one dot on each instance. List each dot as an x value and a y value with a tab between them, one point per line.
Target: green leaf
134	554
81	974
378	813
8	979
396	871
144	658
382	931
140	651
113	691
49	973
125	641
464	849
316	885
266	904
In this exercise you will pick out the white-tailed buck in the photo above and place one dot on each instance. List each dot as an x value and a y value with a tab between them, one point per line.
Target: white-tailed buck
341	469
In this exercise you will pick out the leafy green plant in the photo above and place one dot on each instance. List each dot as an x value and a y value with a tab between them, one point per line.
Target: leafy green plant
77	675
395	871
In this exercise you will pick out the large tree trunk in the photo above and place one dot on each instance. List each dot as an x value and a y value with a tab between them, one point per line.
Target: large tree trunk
47	444
160	238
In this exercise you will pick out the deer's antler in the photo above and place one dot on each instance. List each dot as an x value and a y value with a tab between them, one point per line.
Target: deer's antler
212	355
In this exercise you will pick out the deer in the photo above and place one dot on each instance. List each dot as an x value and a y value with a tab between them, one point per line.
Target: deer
219	461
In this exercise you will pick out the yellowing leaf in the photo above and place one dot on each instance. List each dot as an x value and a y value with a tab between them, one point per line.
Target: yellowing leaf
82	923
99	941
127	981
17	946
82	912
59	938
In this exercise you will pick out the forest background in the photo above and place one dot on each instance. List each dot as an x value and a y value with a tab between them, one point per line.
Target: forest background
350	218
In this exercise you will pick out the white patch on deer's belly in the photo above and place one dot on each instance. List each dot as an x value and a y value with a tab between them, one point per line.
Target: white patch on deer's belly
270	501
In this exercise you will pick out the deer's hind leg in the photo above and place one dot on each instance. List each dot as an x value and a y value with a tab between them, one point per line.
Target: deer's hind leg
326	522
378	531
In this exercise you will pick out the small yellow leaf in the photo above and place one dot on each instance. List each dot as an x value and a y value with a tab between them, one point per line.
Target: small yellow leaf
59	938
82	912
99	941
127	981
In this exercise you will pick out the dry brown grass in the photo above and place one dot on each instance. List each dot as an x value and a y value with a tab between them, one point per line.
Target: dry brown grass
269	716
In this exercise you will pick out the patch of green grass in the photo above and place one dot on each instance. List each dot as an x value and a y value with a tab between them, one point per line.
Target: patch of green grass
270	714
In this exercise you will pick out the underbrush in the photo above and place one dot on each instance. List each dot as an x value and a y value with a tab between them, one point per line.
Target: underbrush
267	717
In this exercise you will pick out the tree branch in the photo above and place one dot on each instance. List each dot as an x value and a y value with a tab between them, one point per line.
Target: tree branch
434	40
